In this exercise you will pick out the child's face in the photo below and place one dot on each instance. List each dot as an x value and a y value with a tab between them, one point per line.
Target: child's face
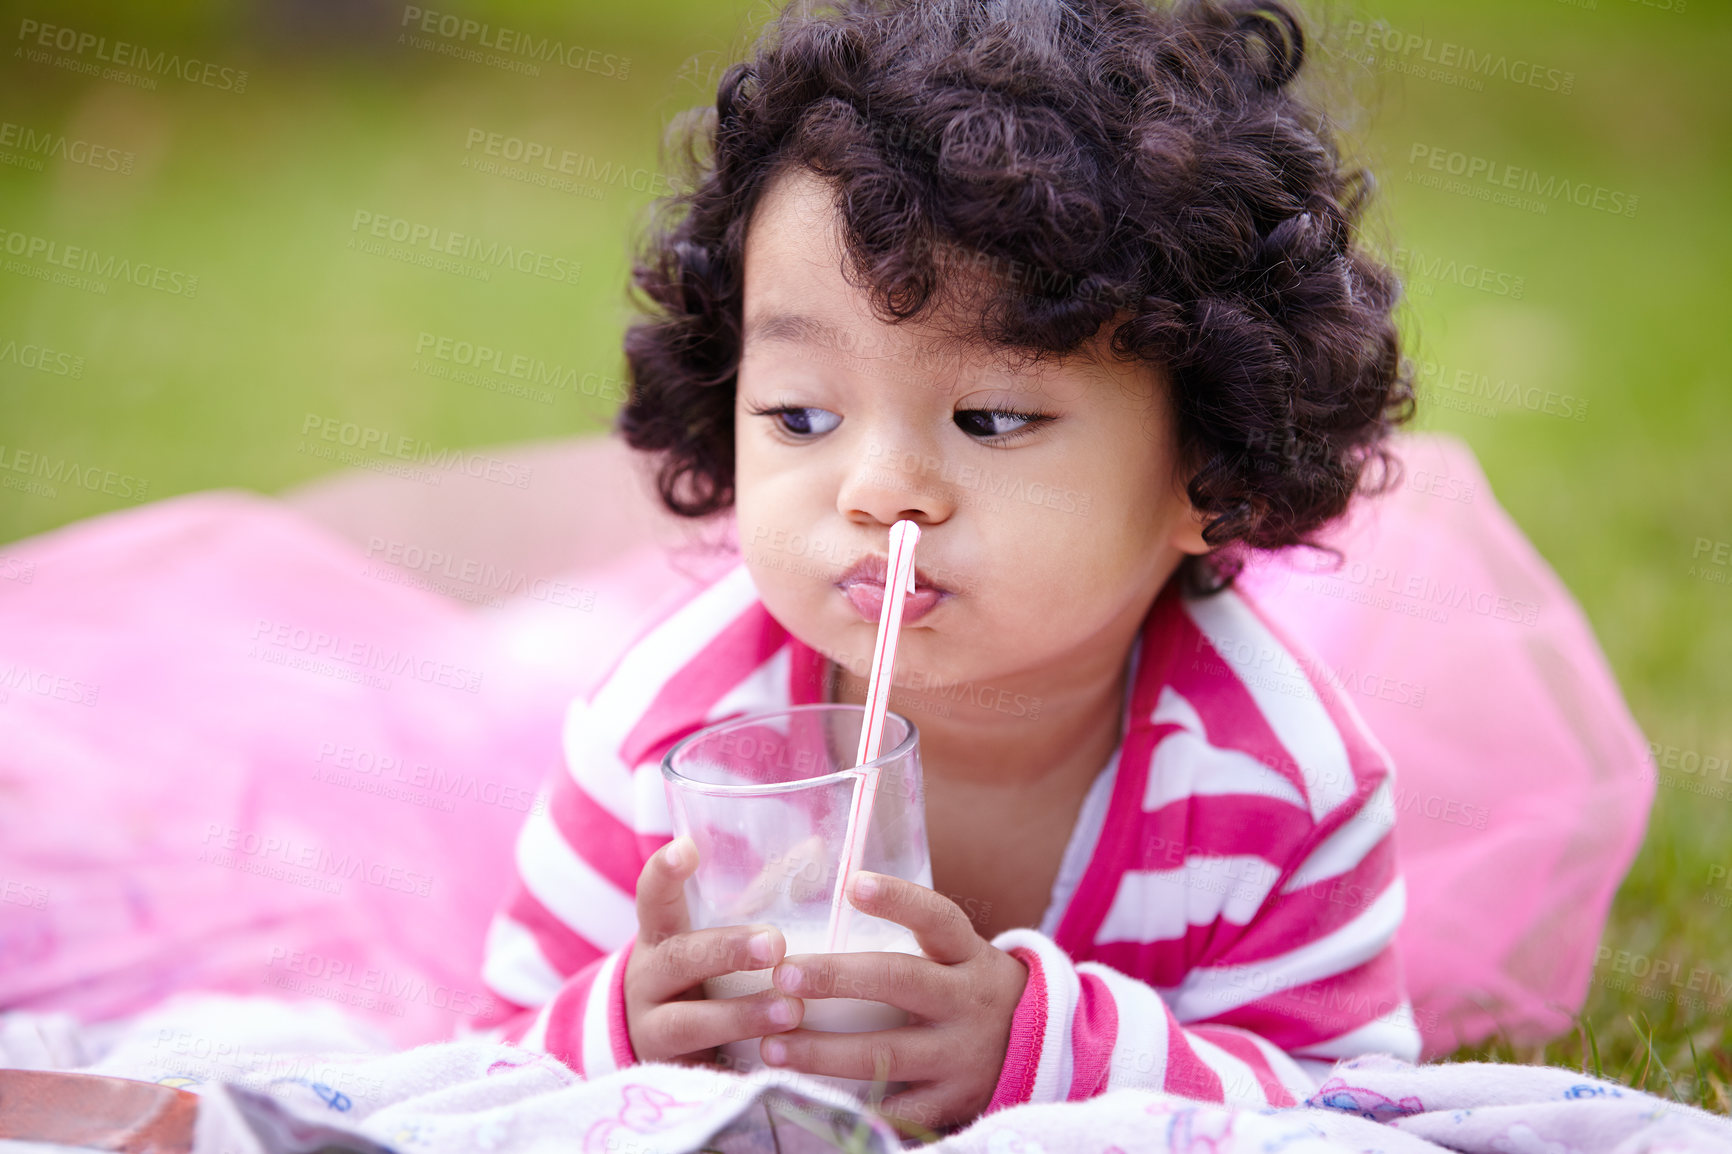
1047	536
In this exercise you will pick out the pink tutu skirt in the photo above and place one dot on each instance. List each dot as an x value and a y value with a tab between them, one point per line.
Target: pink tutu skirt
283	746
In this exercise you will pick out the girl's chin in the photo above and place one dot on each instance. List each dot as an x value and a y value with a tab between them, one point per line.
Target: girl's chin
830	625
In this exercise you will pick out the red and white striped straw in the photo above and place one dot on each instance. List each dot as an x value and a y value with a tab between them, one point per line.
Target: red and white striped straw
898	583
904	535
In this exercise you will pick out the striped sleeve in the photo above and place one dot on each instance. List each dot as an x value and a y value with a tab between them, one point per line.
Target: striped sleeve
1236	932
1255	1032
1084	1029
1313	968
557	950
1245	1032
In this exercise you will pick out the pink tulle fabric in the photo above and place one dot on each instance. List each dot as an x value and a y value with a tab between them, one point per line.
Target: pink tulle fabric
275	746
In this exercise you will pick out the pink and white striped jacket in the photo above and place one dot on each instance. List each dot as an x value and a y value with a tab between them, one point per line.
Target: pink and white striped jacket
1222	925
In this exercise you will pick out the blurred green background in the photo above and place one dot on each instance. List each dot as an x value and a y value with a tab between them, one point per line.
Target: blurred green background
254	185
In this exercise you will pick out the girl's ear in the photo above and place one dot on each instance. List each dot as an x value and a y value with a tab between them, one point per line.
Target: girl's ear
1188	532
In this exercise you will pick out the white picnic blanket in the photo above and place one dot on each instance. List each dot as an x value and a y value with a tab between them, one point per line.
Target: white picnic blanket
263	1067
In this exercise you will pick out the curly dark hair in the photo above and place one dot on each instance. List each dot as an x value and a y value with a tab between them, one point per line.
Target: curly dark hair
1105	161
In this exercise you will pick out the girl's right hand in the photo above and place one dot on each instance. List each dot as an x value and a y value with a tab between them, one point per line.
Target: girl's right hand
667	1015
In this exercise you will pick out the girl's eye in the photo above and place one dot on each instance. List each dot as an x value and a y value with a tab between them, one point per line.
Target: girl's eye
998	422
801	422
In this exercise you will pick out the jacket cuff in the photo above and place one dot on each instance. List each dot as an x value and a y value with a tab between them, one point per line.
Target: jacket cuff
584	1026
1037	1063
1027	1025
618	1026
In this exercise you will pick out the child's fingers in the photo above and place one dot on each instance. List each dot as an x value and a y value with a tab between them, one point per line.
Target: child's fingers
905	981
813	873
908	1054
757	897
944	932
799	875
661	895
676	964
685	1027
924	1109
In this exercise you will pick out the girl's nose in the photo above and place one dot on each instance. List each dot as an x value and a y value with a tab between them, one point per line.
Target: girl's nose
887	484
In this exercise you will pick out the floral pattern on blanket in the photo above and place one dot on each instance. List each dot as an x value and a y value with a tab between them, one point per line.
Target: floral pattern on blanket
1336	1094
645	1109
461	1097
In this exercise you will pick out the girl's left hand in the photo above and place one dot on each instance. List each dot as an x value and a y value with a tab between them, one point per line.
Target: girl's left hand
960	1000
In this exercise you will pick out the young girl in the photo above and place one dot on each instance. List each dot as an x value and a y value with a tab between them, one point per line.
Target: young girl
1073	285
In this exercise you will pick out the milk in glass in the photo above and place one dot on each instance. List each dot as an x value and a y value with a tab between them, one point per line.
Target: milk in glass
835	1015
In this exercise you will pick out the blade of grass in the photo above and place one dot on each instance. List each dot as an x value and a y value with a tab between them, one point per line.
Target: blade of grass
1640	1083
1593	1046
1702	1075
853	1143
1653	1060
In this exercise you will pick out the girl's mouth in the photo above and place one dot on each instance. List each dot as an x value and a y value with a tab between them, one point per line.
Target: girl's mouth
863	586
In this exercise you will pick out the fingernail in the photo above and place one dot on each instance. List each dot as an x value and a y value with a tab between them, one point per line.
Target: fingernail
787	979
759	947
782	1012
675	854
865	885
775	1051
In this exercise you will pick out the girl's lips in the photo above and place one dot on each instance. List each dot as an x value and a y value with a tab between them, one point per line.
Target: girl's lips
863	586
867	598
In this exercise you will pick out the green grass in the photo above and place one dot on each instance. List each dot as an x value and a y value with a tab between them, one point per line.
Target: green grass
256	194
1626	313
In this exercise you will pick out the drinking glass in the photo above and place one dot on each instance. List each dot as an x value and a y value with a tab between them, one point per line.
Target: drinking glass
766	798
